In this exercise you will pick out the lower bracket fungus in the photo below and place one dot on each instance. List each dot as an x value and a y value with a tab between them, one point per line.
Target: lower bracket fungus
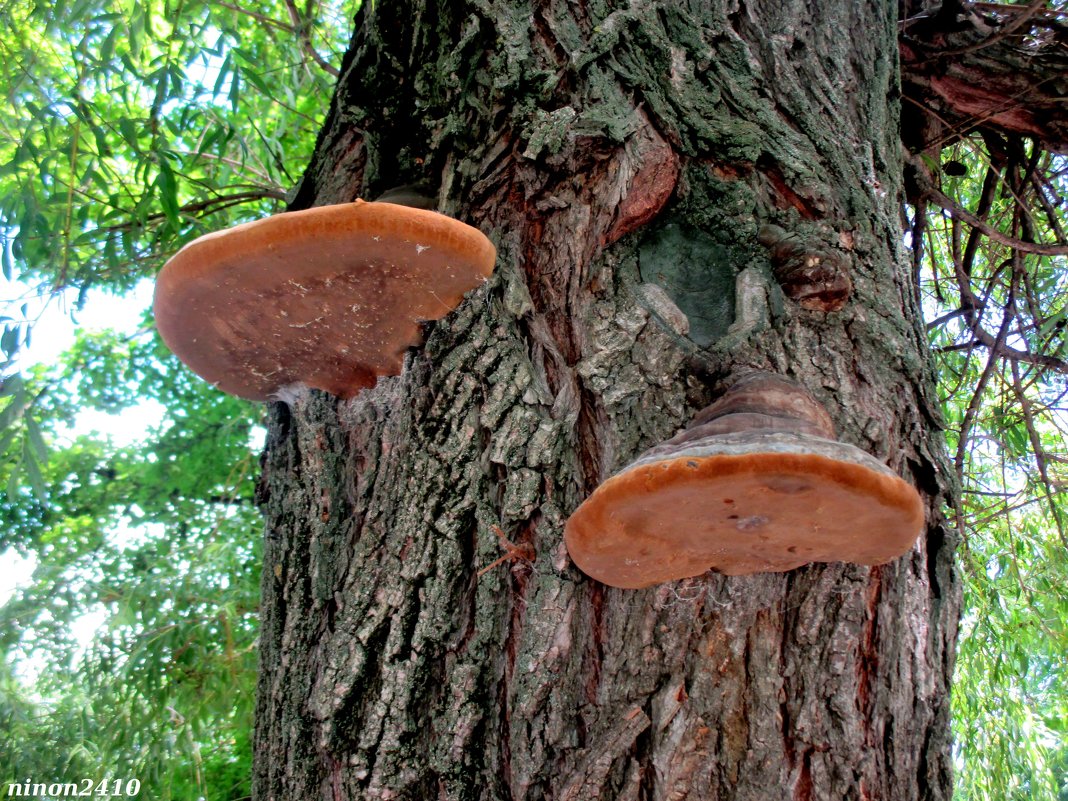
327	298
756	483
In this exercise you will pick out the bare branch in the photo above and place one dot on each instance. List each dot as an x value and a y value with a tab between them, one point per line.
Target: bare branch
1038	450
208	206
973	409
1022	15
945	318
256	16
300	26
993	233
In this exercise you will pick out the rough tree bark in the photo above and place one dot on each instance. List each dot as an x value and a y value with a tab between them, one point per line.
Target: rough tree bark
623	157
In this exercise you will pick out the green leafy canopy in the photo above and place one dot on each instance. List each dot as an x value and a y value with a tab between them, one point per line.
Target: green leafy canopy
997	317
128	129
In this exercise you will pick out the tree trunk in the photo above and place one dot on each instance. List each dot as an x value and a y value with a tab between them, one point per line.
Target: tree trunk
622	157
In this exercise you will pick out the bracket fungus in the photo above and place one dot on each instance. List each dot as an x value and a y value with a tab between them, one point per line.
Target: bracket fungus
327	298
809	272
756	483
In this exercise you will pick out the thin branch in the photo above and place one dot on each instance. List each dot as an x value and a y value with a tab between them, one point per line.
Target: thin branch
240	165
1051	212
298	28
1038	450
1003	512
301	28
973	409
986	202
1004	32
919	224
998	7
208	206
945	318
993	233
997	345
256	16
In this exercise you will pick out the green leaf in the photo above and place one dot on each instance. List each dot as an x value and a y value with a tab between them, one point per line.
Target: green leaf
168	192
36	440
13	411
13	480
9	340
33	471
6	437
252	77
137	31
235	89
129	131
11	385
224	72
8	262
107	48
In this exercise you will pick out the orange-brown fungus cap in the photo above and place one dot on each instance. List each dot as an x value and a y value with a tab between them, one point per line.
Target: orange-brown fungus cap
743	503
328	298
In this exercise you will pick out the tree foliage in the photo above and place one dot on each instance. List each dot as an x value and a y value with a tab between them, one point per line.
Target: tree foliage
985	125
132	127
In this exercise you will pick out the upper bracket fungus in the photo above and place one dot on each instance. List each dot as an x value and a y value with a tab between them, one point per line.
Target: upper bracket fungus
328	298
756	483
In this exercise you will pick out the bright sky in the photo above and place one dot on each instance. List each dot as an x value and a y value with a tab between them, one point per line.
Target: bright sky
52	335
54	332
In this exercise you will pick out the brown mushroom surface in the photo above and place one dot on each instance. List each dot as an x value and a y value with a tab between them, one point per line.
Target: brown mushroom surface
751	487
329	297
